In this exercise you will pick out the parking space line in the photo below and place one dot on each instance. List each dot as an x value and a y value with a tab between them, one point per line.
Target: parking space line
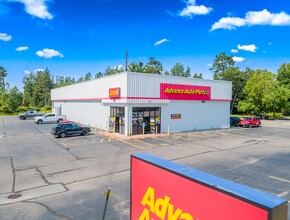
131	144
146	143
283	180
169	142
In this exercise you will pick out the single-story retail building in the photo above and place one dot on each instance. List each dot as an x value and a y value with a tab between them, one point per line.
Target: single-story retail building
133	103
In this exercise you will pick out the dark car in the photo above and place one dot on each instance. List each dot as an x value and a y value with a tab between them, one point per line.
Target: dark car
234	121
70	129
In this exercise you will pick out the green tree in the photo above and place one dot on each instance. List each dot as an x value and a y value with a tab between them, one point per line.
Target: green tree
198	76
109	71
119	69
136	67
153	66
81	79
239	79
28	82
278	102
3	74
88	76
258	91
178	70
42	87
166	73
221	63
14	99
98	75
284	74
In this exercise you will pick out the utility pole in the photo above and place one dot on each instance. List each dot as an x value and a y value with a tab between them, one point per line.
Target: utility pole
126	60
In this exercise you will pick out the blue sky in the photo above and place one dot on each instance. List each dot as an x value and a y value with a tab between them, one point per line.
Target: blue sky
72	38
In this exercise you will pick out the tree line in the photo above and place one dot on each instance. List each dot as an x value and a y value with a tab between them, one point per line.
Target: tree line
253	92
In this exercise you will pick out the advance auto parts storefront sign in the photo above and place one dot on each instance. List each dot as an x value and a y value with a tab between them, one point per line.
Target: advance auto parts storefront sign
184	92
164	190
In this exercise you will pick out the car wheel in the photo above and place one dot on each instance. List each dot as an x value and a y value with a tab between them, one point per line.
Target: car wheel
85	132
39	121
59	120
61	135
259	125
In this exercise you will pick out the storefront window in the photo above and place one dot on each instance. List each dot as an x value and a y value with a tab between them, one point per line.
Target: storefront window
147	119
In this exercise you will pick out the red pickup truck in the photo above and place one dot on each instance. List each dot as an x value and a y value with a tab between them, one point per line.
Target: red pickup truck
250	121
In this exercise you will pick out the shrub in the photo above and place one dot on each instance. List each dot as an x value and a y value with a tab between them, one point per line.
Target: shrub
4	109
21	109
46	108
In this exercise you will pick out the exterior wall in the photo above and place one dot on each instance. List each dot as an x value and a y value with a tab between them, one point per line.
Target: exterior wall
89	102
87	112
195	115
148	86
97	89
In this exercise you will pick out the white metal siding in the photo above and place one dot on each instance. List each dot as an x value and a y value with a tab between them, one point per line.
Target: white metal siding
148	85
98	88
195	115
90	113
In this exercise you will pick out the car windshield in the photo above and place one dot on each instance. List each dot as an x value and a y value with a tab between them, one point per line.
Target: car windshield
249	118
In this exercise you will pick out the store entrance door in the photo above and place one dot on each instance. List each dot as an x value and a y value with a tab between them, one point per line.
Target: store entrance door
117	125
146	121
117	120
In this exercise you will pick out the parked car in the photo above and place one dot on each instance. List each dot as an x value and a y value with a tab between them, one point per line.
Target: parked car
234	121
70	121
49	118
250	121
30	114
69	129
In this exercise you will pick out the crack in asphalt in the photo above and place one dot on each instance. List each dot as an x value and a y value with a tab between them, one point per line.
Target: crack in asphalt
13	173
42	176
100	176
58	144
50	210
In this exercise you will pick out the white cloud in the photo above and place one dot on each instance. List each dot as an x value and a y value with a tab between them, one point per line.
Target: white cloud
161	42
120	67
38	70
234	51
251	47
49	53
263	17
229	23
5	37
26	72
21	48
238	59
193	9
36	8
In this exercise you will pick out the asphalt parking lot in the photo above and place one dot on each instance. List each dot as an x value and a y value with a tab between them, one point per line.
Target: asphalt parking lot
67	178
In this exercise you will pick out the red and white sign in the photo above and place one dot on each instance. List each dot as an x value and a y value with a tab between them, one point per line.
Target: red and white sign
115	93
158	193
184	92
